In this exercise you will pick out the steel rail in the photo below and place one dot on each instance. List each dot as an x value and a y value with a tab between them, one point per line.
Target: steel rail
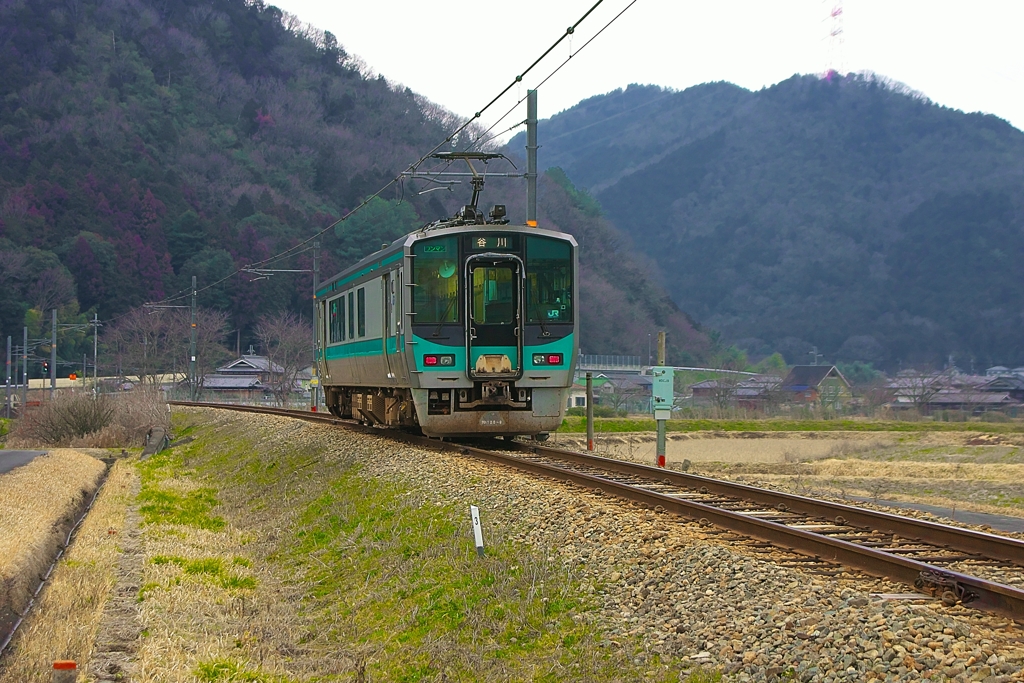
992	546
951	586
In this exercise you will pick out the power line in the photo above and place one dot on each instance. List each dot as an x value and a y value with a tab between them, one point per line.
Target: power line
518	79
548	77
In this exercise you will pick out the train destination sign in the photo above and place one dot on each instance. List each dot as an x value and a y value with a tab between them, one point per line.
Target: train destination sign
494	243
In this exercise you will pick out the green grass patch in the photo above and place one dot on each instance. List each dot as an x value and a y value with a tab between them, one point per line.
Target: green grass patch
575	425
226	670
212	567
164	505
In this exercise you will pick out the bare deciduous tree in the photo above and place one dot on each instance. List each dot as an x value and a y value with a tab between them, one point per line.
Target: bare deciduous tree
54	288
286	341
211	328
140	343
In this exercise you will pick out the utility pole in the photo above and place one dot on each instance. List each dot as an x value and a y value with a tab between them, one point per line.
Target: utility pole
315	393
24	369
814	355
53	354
531	158
7	401
85	370
95	367
192	347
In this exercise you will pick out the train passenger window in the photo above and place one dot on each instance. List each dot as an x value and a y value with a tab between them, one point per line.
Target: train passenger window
351	316
548	280
361	298
493	295
436	279
337	320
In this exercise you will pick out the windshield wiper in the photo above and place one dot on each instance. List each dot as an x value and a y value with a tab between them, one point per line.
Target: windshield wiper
437	330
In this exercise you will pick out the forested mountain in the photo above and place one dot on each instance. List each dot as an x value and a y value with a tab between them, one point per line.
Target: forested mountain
146	141
851	214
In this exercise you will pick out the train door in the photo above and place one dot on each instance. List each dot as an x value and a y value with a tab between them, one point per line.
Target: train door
398	366
387	321
494	344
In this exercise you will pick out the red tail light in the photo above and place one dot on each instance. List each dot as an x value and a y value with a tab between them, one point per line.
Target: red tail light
430	360
555	359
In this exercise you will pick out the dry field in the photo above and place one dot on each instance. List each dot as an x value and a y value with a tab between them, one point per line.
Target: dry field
955	470
40	502
63	623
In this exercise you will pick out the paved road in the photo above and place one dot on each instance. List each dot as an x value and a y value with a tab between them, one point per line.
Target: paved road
11	459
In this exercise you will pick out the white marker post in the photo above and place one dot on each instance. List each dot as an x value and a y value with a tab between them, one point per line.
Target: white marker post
478	533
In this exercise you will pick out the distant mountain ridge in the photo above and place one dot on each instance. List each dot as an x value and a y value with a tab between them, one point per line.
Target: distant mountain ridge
851	215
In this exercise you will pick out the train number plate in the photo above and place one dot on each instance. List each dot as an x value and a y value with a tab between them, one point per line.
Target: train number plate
491	419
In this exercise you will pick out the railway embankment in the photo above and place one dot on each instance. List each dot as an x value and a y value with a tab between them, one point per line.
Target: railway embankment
274	549
271	549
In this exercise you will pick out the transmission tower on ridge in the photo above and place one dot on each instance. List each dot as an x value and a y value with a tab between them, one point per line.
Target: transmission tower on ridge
835	65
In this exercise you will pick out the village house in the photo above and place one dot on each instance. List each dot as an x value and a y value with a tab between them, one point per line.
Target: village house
816	384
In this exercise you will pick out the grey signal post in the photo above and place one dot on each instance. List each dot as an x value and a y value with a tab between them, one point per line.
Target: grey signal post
662	396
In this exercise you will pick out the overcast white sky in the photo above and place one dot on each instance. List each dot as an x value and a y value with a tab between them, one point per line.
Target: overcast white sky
460	53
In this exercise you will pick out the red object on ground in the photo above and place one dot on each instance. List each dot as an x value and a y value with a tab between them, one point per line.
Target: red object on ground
661	461
64	664
312	409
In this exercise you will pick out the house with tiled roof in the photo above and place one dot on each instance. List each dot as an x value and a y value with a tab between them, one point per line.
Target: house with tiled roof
818	384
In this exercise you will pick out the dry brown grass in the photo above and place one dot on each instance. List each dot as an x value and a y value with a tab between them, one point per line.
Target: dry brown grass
77	420
63	623
777	447
40	501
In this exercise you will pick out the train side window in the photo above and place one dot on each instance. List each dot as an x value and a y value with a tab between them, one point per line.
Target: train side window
336	320
351	316
361	298
341	318
548	280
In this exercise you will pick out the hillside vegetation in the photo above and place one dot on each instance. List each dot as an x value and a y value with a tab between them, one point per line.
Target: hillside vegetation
145	142
851	214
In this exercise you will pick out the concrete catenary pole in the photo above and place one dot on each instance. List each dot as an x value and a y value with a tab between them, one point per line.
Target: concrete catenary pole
531	157
95	367
24	368
53	354
661	423
7	400
590	411
315	393
192	388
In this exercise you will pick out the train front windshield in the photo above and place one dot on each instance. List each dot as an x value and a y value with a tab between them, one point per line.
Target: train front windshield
436	276
548	280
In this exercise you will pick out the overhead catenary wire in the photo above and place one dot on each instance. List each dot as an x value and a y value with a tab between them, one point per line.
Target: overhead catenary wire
546	79
291	251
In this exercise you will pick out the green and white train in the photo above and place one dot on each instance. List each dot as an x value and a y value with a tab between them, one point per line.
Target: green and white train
466	327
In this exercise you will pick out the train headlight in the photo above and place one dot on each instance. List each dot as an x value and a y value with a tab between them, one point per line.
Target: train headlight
547	359
446	360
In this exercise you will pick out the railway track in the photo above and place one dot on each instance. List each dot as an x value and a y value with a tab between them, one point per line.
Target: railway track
911	551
